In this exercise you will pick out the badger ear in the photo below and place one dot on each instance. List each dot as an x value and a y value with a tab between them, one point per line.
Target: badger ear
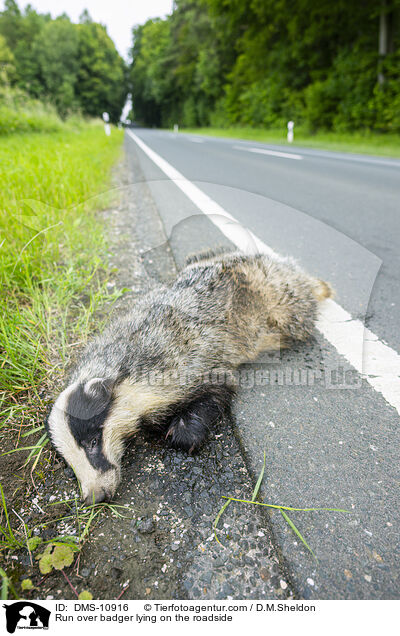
89	399
99	388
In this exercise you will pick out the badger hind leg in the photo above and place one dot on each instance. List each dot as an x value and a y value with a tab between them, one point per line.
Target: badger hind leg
189	426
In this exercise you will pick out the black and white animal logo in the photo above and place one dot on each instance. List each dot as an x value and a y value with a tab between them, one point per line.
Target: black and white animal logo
26	615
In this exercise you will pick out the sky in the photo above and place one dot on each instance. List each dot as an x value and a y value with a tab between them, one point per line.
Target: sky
119	16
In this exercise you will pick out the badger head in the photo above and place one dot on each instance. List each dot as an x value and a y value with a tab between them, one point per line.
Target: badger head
77	426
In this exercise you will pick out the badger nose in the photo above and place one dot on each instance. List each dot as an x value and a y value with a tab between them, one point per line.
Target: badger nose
96	497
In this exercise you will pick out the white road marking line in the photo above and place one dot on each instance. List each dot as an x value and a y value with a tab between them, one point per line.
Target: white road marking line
374	360
335	155
194	140
274	153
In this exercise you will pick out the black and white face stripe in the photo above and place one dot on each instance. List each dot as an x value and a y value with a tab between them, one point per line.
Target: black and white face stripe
87	408
76	428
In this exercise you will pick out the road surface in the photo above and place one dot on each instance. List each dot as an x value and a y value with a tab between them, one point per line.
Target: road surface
325	413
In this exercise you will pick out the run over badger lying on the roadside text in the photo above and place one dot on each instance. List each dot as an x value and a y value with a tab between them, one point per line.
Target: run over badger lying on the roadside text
169	362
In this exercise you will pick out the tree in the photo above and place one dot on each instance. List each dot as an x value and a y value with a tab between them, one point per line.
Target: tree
178	66
101	77
56	51
73	66
85	17
11	23
20	31
150	78
7	66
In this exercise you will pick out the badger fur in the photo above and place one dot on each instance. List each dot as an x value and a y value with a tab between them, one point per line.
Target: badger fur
169	362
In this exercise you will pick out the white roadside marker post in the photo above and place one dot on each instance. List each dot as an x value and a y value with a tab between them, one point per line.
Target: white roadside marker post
106	119
176	128
290	126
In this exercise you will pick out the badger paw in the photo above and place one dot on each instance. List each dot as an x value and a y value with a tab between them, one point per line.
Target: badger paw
188	426
187	431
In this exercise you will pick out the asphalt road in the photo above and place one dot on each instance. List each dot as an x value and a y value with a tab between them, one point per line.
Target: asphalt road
329	442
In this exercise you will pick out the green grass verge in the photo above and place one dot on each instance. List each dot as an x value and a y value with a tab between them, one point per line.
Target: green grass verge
28	120
52	273
21	113
385	145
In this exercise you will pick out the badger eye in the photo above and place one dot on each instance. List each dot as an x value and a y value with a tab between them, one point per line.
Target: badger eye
93	443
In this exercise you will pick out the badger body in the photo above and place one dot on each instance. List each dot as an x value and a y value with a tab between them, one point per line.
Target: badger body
169	362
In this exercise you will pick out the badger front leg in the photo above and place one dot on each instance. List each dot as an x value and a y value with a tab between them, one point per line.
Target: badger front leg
188	430
188	427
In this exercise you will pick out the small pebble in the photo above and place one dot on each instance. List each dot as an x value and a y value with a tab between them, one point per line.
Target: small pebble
146	526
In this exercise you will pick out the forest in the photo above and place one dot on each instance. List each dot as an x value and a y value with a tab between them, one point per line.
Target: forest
326	65
331	66
72	67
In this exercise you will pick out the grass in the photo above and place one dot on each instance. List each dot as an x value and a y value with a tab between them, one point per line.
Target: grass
37	119
21	113
385	145
282	509
52	274
53	281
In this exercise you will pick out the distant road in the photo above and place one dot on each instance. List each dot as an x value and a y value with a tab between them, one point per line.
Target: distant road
327	445
357	195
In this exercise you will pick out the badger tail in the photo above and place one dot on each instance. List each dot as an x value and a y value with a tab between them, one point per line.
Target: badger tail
322	290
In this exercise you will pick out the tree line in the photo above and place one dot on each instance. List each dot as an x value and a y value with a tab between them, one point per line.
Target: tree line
328	65
75	67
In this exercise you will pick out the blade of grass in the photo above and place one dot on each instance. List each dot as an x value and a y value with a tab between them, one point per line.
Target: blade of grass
77	517
297	532
92	516
32	431
259	481
26	535
226	504
10	532
218	517
259	503
6	583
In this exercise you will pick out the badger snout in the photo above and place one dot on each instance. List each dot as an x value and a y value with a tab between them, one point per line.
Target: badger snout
96	486
97	496
100	487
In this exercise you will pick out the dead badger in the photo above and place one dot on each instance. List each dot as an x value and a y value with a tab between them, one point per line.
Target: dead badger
168	363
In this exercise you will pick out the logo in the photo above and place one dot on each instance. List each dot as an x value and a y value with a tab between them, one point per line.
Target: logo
26	615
